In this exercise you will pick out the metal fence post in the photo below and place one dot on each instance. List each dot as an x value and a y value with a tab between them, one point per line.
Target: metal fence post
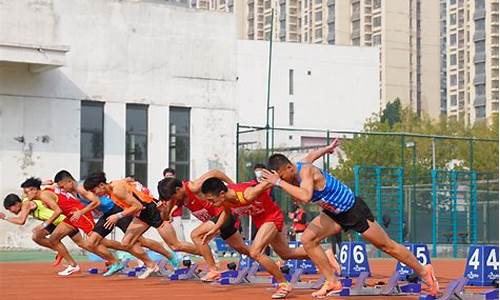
434	213
400	202
356	180
237	151
454	184
473	199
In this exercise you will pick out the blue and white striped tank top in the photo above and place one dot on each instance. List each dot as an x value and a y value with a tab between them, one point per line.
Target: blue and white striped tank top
336	197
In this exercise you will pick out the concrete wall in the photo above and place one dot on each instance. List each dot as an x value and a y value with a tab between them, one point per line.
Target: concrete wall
120	52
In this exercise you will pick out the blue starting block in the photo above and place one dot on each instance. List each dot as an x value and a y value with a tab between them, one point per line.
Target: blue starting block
188	273
482	264
247	275
421	253
392	288
455	291
353	259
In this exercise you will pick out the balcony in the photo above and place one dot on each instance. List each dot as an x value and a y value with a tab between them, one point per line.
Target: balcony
355	16
480	100
355	33
479	14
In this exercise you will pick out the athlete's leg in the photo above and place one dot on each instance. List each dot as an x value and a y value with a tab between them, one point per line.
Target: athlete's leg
93	244
236	242
167	233
321	227
130	241
155	246
62	230
197	236
265	234
40	237
112	244
280	246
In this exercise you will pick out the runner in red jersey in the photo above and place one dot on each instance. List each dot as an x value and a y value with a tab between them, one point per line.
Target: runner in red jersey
185	193
252	198
63	203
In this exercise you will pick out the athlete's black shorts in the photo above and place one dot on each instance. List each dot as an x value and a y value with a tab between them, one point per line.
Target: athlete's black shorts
51	227
355	218
229	227
122	223
150	215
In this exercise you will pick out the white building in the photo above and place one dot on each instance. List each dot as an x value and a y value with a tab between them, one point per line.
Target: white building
312	86
131	87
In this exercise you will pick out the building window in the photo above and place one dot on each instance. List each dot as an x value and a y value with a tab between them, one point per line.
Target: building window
453	19
453	80
377	4
480	90
480	112
479	68
136	148
453	59
479	46
453	39
91	137
318	17
290	82
453	100
180	141
319	33
291	113
377	21
479	4
377	40
355	42
479	25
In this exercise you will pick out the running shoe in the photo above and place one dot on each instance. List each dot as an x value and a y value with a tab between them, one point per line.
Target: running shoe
328	289
69	270
117	266
282	291
174	259
149	271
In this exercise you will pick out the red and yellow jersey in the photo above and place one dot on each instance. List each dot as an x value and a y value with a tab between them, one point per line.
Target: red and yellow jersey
201	209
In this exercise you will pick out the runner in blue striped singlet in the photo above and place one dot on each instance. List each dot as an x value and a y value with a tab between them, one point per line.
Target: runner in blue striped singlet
341	210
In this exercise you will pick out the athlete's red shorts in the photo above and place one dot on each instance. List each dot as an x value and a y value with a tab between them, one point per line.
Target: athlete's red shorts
85	222
276	217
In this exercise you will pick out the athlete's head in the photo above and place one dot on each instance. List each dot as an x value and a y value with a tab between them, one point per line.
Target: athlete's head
257	169
31	187
168	173
12	203
96	183
65	181
283	166
170	189
214	191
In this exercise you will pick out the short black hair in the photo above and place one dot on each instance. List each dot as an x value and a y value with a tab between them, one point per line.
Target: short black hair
276	161
94	180
32	182
168	170
213	186
10	200
259	166
167	187
61	175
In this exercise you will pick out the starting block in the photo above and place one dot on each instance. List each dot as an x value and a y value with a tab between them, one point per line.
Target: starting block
187	273
247	275
392	288
421	253
455	291
353	259
482	265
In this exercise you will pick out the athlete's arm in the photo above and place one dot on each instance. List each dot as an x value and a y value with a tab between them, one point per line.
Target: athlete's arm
252	193
224	215
302	193
195	185
21	218
50	200
315	154
94	202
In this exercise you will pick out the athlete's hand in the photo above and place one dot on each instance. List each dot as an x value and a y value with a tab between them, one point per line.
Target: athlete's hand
76	215
111	221
330	148
271	177
38	228
2	216
208	237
